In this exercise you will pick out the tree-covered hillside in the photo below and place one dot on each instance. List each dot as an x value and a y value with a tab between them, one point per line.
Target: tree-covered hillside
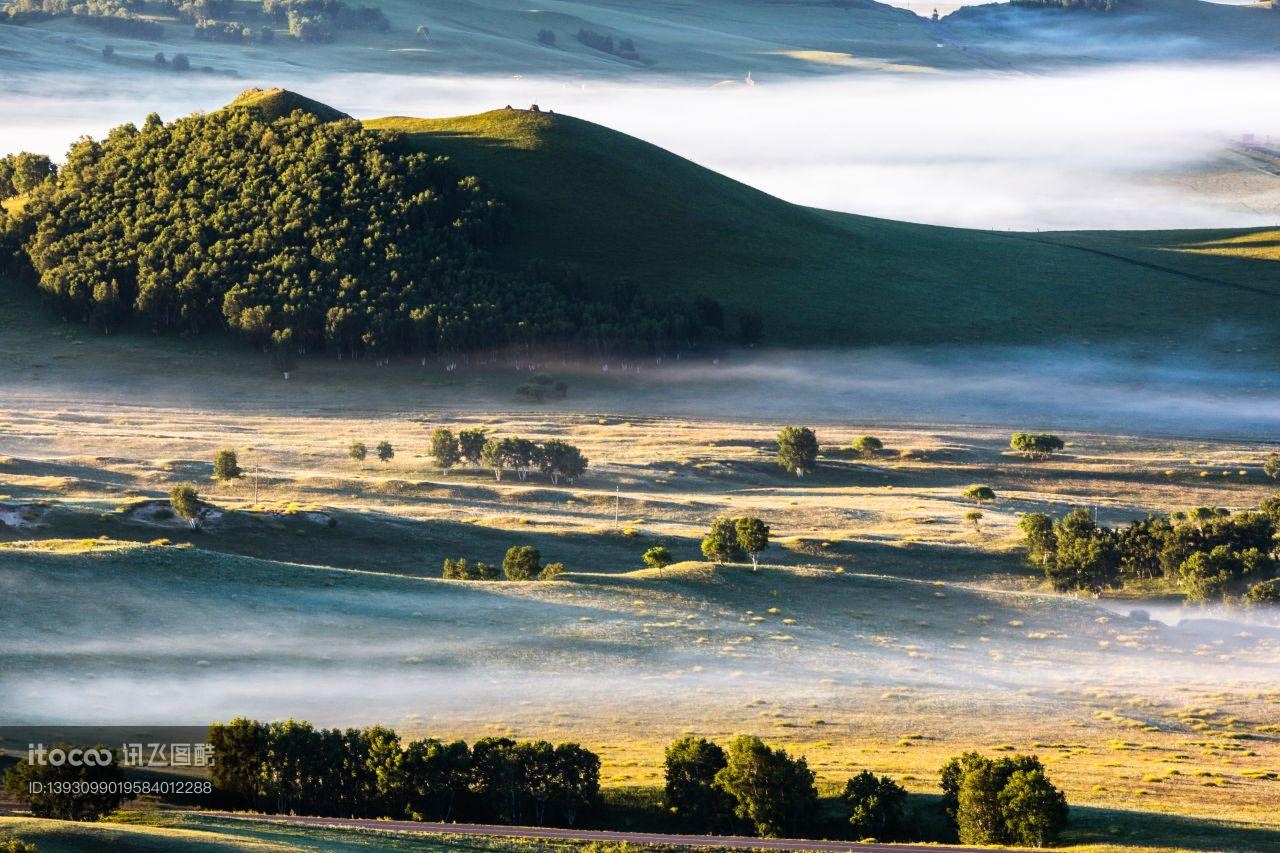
297	232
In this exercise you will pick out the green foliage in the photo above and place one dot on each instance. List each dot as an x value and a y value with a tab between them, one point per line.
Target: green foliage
981	494
357	451
878	806
114	16
753	537
292	767
868	445
226	466
1212	553
721	542
522	563
1036	445
974	517
797	450
1087	5
560	459
551	571
185	501
657	557
1264	593
16	845
460	570
1005	801
690	792
66	792
385	452
773	794
444	448
471	444
1271	465
22	172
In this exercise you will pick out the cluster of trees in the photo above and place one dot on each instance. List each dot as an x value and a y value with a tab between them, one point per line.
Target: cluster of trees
1036	445
315	20
115	16
1008	801
358	451
750	787
300	234
1211	553
1090	5
291	767
66	791
541	388
23	172
521	563
547	37
732	540
557	459
624	48
797	450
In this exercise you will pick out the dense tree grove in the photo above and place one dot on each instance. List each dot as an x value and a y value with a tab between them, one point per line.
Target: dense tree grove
66	792
289	767
115	16
23	172
302	235
1211	553
1002	801
1090	5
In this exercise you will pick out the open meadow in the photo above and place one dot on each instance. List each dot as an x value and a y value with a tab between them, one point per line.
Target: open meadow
882	630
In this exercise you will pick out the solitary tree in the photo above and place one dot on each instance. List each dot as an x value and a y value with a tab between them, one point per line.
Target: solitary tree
721	542
357	451
657	557
185	501
1271	465
1036	445
226	466
522	563
797	450
980	494
753	537
974	517
385	452
444	448
494	457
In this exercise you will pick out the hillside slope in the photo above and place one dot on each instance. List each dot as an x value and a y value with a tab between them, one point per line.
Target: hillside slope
1137	31
618	207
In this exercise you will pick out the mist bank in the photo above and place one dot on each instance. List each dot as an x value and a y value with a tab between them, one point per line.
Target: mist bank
1097	149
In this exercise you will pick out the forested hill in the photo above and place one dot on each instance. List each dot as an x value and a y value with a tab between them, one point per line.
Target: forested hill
286	223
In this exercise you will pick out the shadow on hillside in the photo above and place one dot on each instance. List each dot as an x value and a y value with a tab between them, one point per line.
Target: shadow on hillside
1090	825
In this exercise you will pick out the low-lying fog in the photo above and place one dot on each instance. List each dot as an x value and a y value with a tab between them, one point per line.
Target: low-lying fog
1078	150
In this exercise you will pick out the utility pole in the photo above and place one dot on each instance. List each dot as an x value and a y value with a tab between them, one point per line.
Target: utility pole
617	503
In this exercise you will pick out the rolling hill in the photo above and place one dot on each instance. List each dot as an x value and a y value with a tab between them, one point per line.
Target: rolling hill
618	207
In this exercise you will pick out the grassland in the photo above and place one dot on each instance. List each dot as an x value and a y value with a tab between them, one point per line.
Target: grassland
619	208
883	631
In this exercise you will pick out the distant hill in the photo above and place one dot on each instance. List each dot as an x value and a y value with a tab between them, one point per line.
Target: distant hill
271	104
1045	33
619	207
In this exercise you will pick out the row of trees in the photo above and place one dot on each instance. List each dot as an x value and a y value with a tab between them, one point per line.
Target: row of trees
521	563
211	223
554	458
1211	553
751	787
292	767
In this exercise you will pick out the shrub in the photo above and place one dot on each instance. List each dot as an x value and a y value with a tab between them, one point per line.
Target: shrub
868	445
357	451
657	557
547	37
551	571
522	563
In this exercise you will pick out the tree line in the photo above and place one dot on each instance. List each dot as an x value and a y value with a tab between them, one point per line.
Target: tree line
300	235
521	563
1211	553
554	458
115	16
750	787
292	767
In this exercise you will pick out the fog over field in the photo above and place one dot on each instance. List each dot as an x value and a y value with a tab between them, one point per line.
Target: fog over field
1076	150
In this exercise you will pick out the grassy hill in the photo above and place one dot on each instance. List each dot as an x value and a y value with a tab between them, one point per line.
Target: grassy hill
619	207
